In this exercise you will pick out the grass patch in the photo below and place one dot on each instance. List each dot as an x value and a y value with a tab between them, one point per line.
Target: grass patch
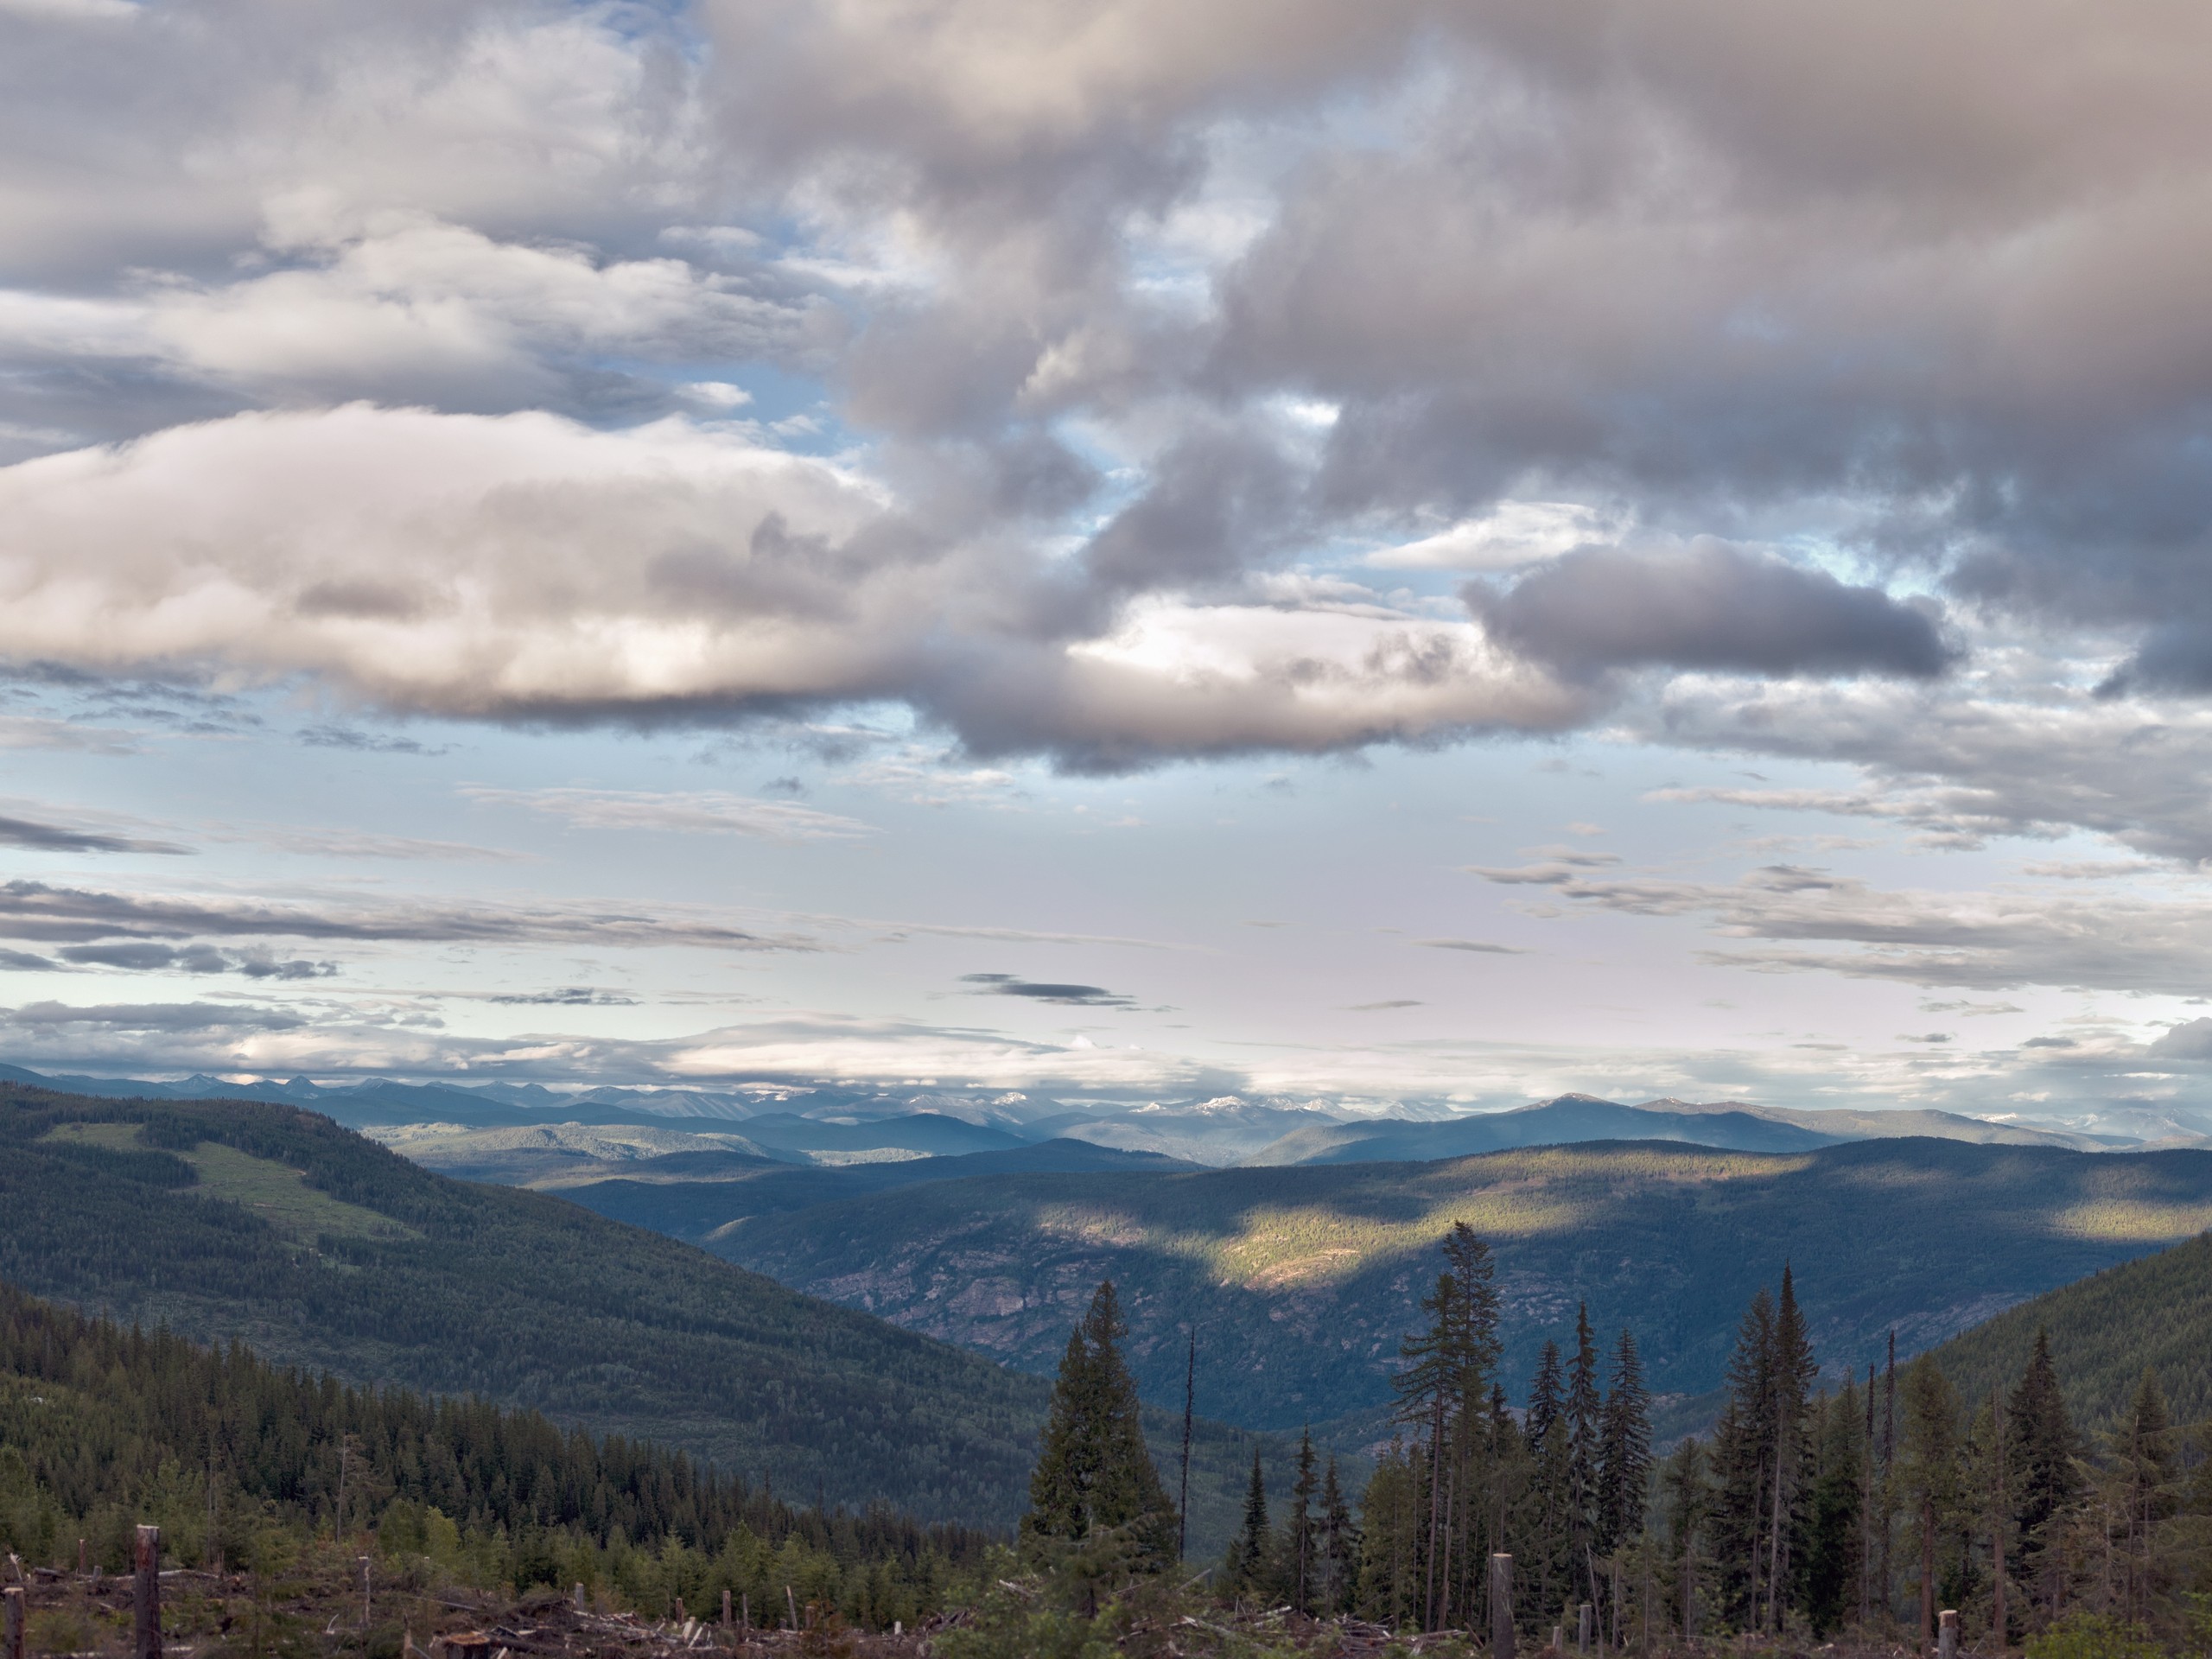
277	1193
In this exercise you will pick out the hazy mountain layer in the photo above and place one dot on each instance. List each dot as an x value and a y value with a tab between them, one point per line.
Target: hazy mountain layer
1301	1280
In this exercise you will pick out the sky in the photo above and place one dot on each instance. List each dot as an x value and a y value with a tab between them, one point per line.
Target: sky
1411	556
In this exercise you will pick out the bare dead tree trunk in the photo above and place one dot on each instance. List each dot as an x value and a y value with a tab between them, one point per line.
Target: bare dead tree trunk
146	1594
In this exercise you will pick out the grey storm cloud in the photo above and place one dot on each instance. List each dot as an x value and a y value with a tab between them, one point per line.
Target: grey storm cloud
1707	605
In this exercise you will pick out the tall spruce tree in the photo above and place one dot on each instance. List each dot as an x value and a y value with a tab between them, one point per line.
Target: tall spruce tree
1299	1555
1585	1424
2044	1480
2141	1466
1340	1546
1835	1531
1549	1537
1688	1498
1743	1442
1792	1378
1249	1571
1093	1471
1623	1451
1927	1473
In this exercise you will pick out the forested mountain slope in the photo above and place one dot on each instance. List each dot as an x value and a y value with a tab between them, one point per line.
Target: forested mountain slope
263	1222
2154	1312
102	1427
1301	1280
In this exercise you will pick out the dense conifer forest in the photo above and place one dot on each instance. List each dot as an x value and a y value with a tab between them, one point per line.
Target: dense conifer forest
2154	1313
103	1427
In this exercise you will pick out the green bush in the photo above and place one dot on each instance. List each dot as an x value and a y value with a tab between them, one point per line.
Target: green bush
2093	1636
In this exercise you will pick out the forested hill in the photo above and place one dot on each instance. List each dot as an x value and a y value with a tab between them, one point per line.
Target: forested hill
2153	1313
102	1427
1301	1279
262	1223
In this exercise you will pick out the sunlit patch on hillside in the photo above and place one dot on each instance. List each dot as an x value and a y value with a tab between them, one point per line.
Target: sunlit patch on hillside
2132	1220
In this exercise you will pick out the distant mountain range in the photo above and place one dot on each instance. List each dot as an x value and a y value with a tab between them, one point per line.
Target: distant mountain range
1732	1126
799	1124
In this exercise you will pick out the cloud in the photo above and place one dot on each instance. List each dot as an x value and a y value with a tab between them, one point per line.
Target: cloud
156	1017
1992	940
569	996
1483	947
145	956
35	835
38	911
696	811
1077	996
1380	1007
1706	605
2004	757
1511	534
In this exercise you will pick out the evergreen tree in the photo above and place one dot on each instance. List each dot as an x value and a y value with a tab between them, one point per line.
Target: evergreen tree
1389	1547
1093	1471
1742	1471
1299	1565
2138	1478
2043	1449
1585	1413
1249	1571
1688	1498
1792	1377
1549	1534
1339	1551
1624	1451
1835	1531
1440	1389
1928	1472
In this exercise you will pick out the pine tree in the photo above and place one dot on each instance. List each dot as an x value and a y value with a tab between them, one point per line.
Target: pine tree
1550	1541
1624	1451
2043	1447
1094	1471
1298	1563
1390	1546
1743	1441
1339	1551
1585	1413
1793	1373
2139	1476
1249	1572
1687	1499
1928	1471
1835	1531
